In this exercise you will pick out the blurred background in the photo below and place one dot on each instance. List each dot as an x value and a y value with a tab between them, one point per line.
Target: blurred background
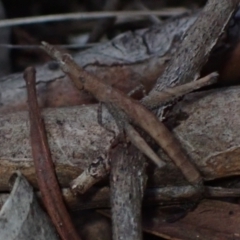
16	41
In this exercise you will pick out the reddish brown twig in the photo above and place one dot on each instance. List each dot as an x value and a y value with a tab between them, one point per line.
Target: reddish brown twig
46	177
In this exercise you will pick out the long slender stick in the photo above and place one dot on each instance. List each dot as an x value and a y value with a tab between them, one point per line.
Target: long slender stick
89	16
172	93
47	180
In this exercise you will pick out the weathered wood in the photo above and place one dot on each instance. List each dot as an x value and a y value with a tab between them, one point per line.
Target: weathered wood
128	181
21	217
206	123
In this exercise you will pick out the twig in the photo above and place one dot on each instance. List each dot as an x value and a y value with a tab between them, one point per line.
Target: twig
89	16
67	46
45	172
170	94
97	170
219	192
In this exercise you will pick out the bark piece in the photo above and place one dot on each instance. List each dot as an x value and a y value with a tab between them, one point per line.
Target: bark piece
128	182
21	216
206	124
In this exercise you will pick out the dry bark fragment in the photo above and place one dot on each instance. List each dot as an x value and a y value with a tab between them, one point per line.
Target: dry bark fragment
127	187
205	123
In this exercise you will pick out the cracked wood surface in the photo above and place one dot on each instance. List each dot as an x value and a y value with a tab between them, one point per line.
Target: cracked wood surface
206	123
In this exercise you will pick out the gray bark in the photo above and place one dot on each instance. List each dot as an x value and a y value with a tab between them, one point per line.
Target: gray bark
206	123
21	216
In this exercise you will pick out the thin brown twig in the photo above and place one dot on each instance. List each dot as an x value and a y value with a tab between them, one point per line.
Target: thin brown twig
45	172
161	196
172	93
